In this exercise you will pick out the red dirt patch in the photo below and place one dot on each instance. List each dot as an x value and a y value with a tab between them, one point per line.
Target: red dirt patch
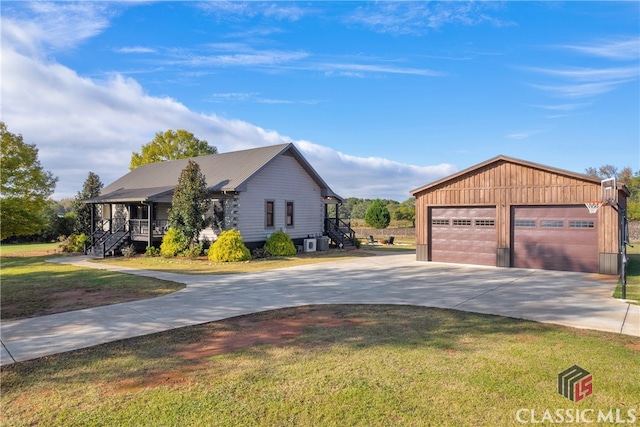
238	334
251	333
153	379
525	338
634	346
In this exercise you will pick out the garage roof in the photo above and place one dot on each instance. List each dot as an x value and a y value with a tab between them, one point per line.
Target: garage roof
502	158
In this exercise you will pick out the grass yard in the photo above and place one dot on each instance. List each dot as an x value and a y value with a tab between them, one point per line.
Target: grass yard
202	265
347	365
401	244
633	275
33	287
29	249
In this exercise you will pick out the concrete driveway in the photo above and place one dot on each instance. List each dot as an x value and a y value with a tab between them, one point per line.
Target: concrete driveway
573	299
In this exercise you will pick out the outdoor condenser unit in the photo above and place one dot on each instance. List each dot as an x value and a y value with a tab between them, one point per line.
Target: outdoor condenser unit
309	245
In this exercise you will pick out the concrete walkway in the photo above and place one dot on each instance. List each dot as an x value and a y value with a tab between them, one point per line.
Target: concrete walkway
572	299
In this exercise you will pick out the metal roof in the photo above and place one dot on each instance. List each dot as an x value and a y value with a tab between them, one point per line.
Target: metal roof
502	158
224	172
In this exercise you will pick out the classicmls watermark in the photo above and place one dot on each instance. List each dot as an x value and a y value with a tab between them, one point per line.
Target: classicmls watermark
574	415
576	383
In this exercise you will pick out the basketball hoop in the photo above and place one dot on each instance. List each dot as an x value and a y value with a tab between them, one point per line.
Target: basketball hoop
593	206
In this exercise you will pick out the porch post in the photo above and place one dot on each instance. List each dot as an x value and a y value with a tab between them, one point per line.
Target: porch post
93	224
149	222
128	216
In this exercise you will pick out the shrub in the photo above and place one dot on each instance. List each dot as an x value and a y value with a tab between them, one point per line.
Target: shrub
74	243
229	248
357	242
280	244
194	251
152	251
173	243
128	251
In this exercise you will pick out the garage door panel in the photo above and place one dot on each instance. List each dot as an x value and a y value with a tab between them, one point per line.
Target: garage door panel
461	235
568	247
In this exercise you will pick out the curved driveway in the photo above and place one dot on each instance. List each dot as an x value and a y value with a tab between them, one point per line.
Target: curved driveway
572	299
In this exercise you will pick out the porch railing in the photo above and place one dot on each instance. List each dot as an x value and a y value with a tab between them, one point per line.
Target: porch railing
339	231
140	227
111	244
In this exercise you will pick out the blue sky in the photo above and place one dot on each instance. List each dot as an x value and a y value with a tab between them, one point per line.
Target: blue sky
381	97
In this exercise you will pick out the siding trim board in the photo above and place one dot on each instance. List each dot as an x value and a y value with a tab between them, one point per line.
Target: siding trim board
509	185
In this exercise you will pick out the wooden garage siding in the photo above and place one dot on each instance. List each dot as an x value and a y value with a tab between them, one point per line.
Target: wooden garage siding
508	182
281	181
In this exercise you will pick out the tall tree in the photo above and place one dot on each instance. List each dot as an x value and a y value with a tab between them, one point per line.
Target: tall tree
377	215
83	211
359	210
406	211
610	171
171	145
24	187
58	225
190	202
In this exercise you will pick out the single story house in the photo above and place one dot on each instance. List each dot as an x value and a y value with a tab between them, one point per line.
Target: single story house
508	212
257	191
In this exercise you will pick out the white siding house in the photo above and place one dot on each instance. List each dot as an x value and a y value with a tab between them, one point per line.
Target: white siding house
285	181
257	191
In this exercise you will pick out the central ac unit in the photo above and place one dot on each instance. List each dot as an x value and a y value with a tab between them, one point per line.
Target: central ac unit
309	245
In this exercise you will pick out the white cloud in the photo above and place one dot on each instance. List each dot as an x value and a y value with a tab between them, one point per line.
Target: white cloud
590	74
285	11
420	17
136	49
360	69
583	90
54	25
621	49
564	107
370	177
522	134
81	125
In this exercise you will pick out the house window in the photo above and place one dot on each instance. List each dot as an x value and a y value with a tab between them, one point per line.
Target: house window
439	221
582	224
485	223
462	222
545	223
289	214
524	223
269	220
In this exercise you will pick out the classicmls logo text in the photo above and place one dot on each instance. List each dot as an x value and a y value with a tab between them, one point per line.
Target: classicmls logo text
575	383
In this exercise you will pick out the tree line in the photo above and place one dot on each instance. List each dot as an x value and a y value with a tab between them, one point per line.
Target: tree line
27	211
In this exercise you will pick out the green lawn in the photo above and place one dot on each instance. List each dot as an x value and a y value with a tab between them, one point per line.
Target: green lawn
29	249
31	287
342	365
401	244
202	265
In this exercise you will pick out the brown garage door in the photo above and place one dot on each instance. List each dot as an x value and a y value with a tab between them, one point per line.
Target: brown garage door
555	238
463	235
